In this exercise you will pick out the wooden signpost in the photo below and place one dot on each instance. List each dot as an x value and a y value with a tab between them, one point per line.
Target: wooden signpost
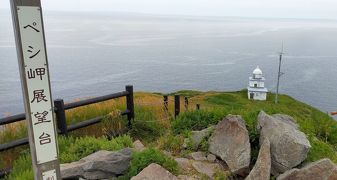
34	73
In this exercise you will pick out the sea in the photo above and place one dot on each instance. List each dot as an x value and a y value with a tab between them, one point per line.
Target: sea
93	54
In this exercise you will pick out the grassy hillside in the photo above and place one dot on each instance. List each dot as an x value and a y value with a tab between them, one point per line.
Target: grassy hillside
160	130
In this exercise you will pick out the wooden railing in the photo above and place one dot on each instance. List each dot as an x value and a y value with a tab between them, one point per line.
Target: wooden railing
60	108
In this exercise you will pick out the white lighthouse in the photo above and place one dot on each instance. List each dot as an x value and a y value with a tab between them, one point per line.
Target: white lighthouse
256	89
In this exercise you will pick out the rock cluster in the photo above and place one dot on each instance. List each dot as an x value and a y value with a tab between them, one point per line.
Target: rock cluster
289	146
282	146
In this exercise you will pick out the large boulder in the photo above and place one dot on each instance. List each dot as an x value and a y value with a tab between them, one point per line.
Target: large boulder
323	170
289	146
261	170
230	142
154	172
99	165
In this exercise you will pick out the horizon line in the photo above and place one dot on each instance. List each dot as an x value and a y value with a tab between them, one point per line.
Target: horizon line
182	15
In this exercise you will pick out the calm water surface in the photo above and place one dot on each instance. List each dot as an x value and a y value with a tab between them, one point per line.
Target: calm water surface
95	54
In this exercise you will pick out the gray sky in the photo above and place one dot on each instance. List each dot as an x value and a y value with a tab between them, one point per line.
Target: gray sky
326	9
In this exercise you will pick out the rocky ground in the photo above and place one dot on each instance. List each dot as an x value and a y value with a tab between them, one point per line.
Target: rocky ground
283	151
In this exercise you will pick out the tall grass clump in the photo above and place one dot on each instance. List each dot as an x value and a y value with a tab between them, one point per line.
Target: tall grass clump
171	143
113	124
146	126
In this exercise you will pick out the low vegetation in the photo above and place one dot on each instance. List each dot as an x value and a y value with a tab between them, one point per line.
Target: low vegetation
151	155
158	129
196	120
71	149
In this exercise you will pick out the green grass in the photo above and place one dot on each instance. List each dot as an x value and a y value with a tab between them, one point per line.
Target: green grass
320	150
231	101
196	120
71	149
145	125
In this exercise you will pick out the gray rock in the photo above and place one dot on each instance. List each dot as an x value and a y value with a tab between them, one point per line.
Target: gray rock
206	168
198	136
154	172
211	158
289	146
100	165
323	169
184	163
261	170
72	170
138	146
230	142
198	156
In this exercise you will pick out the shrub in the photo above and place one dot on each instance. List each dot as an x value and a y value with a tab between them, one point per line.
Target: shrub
142	159
196	120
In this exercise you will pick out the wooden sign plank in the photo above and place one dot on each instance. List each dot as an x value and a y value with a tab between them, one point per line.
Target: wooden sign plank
37	79
34	72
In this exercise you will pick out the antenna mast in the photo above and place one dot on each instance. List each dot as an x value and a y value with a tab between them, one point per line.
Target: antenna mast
279	75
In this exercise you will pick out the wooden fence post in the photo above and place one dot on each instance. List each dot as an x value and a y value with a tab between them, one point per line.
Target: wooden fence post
166	103
176	105
130	104
186	103
198	106
61	116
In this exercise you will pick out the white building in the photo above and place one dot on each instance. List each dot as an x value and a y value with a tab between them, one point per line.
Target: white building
256	89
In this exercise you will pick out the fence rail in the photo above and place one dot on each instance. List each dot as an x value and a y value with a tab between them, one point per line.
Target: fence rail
60	109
